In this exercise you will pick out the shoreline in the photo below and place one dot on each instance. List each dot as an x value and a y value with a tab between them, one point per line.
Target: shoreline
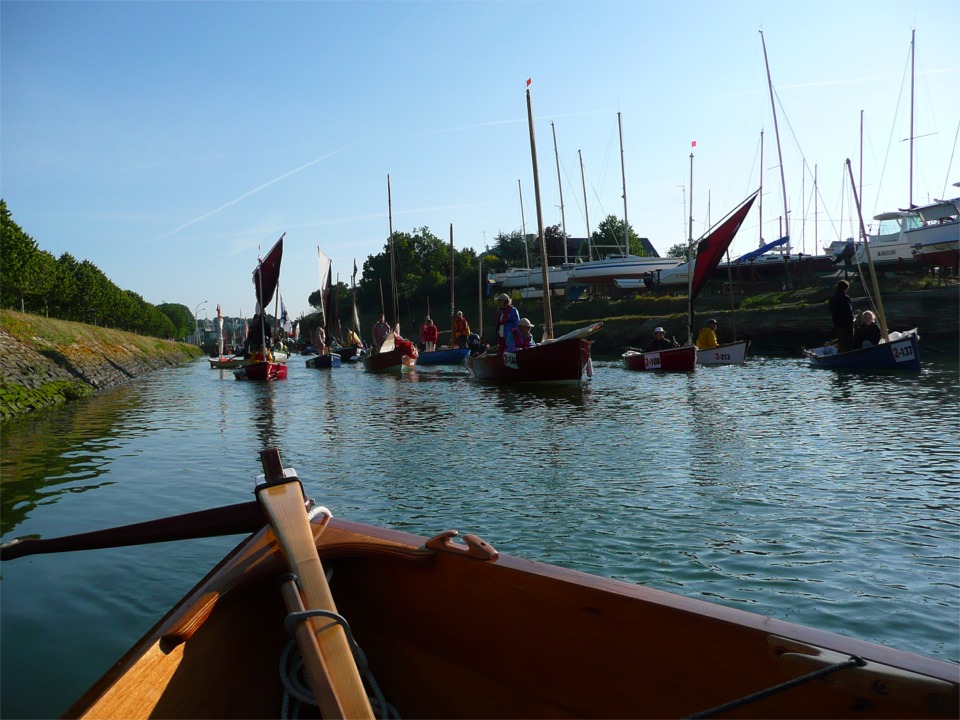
46	362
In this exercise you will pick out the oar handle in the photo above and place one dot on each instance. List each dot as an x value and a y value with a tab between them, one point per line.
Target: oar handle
236	519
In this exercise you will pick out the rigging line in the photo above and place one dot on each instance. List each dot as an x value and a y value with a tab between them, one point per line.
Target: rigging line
886	157
946	180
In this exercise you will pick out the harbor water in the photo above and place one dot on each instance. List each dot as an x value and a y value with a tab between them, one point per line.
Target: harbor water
826	499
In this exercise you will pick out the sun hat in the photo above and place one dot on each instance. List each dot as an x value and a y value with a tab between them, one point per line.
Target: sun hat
503	296
524	322
658	329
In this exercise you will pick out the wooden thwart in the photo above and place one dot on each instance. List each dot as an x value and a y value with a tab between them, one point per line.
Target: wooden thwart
326	652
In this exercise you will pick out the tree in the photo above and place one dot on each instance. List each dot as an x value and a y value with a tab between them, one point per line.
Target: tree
513	250
18	256
609	236
180	317
678	251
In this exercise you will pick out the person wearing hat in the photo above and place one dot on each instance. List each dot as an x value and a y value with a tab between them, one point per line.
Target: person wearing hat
841	310
707	339
660	341
508	319
520	337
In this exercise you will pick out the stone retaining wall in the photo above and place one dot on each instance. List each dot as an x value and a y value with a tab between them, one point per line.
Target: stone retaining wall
46	374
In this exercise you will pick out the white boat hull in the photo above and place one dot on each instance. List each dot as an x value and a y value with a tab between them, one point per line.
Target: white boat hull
728	354
607	271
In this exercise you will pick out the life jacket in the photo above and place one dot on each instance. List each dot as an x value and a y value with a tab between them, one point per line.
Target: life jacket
519	340
460	327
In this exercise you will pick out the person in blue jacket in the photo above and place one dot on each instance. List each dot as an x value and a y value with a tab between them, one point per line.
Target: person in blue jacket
507	320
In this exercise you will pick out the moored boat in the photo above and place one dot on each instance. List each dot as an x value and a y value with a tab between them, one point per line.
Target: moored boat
681	359
523	639
561	361
734	353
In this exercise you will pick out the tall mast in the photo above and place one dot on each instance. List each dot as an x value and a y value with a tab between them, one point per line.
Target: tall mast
453	310
623	175
760	199
913	34
547	313
776	130
523	225
586	211
690	263
563	220
873	273
393	259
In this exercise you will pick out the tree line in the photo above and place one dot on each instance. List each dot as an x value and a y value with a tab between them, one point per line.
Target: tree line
33	280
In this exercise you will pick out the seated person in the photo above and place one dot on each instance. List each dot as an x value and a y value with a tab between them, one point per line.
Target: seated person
660	341
519	338
868	333
707	340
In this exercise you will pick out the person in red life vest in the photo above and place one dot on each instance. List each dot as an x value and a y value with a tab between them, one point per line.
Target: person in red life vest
428	335
461	330
507	320
520	337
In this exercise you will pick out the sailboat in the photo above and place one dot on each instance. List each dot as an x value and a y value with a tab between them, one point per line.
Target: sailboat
396	353
896	350
266	277
620	265
709	251
224	362
327	357
561	360
449	355
927	234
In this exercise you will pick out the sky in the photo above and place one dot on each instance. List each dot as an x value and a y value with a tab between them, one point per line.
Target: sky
171	142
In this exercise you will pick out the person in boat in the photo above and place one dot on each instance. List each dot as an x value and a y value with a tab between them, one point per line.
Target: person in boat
352	339
707	340
461	330
475	346
868	332
660	341
380	332
841	310
520	337
322	347
508	319
429	334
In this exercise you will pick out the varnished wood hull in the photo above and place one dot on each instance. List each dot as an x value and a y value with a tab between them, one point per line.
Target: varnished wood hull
452	636
391	361
560	362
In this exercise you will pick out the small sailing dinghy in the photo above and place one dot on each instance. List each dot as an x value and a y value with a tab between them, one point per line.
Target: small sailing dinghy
262	365
457	630
895	351
681	359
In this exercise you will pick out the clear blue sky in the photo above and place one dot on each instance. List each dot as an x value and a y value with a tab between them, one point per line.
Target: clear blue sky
166	141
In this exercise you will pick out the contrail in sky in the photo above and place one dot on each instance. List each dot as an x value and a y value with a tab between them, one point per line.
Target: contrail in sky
247	194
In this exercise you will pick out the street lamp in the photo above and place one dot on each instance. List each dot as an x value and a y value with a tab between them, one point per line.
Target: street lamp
196	321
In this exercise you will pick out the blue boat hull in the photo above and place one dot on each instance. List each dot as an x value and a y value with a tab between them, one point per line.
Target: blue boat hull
322	362
452	356
902	354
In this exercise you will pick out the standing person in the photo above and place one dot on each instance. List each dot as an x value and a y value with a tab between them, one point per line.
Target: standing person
707	340
428	335
520	337
380	332
841	310
461	330
868	333
507	319
321	340
660	341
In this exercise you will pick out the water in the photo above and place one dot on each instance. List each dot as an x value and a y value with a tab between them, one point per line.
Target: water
825	499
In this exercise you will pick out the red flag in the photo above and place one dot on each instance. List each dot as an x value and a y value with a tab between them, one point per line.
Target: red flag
693	144
529	80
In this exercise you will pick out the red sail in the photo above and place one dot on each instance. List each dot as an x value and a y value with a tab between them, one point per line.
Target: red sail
267	274
710	250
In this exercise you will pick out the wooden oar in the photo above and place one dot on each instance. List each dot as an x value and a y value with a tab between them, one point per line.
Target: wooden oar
228	520
327	654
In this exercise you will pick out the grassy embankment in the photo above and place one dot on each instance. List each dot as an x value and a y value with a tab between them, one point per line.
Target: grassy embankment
46	362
